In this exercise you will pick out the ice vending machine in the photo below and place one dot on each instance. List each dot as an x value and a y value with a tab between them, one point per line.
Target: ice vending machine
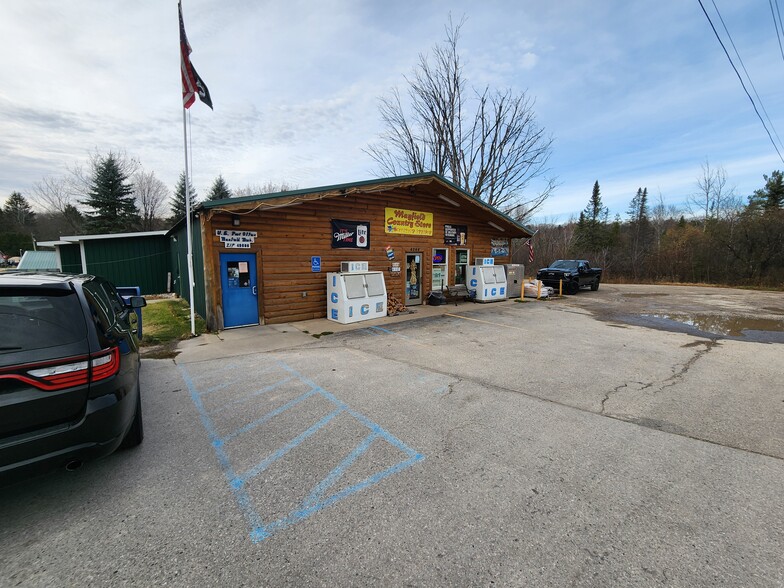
354	296
515	274
487	279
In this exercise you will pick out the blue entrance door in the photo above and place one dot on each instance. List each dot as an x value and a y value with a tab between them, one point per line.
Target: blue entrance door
240	289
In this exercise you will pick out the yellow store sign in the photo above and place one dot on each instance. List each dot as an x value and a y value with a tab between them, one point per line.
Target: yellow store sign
408	222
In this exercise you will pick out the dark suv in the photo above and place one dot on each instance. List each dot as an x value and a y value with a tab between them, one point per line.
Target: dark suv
69	371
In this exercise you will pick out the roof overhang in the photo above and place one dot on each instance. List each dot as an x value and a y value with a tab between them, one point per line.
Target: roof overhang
76	238
437	185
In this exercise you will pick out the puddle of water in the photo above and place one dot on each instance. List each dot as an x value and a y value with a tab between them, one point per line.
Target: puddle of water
757	329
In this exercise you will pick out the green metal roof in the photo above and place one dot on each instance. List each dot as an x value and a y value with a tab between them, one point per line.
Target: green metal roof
38	260
413	178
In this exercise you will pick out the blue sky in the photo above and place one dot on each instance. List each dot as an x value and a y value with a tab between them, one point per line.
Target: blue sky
635	94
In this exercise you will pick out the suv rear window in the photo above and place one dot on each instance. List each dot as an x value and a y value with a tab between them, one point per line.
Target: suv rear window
34	318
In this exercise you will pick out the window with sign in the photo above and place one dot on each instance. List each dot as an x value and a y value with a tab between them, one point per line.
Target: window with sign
238	274
461	265
439	269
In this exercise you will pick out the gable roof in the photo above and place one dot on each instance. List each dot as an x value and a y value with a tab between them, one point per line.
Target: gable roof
280	199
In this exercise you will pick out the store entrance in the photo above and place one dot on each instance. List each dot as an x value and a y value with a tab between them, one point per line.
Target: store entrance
413	279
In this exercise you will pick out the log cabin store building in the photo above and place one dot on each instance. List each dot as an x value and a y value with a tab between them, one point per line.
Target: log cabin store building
268	258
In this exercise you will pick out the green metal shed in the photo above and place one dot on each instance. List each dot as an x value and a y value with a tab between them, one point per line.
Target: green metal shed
125	259
178	246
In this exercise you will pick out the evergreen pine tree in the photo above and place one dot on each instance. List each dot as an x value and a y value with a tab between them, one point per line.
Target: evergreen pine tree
596	212
17	214
771	197
219	190
592	233
111	200
178	206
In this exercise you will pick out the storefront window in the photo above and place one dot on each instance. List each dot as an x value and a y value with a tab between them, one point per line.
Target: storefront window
461	264
439	269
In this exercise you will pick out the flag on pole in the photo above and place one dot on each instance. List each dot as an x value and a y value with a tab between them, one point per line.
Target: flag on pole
530	251
192	84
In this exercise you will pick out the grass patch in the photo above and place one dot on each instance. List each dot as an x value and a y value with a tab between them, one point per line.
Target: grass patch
168	320
319	335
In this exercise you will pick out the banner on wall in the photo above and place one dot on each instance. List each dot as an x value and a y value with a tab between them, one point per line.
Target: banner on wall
499	247
455	234
408	222
350	234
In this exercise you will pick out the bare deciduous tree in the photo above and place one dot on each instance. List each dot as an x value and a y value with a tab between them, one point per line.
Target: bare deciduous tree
267	188
151	195
53	194
488	143
713	197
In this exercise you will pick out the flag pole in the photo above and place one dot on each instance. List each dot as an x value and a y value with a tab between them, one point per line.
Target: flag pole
192	86
188	228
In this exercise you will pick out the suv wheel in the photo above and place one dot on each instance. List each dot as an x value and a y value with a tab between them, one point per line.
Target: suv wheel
595	286
135	434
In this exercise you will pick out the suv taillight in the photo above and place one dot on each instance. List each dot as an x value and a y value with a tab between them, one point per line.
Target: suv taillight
67	373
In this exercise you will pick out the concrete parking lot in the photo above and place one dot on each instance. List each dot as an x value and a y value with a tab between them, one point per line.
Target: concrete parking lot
598	440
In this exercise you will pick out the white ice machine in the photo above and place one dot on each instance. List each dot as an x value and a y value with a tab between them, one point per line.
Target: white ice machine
489	281
356	296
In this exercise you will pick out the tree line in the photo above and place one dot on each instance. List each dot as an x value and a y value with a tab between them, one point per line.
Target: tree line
717	238
110	193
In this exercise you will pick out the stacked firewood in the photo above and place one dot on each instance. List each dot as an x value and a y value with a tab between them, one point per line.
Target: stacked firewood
394	305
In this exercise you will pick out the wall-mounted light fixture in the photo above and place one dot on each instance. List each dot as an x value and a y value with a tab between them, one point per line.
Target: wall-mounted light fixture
495	226
445	199
235	221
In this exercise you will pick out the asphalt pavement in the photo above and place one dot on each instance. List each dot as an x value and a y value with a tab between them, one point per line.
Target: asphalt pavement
517	444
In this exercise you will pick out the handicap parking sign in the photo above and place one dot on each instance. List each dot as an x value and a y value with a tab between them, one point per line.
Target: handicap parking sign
315	264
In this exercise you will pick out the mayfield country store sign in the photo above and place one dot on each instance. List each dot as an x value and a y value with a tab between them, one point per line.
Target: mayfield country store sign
408	222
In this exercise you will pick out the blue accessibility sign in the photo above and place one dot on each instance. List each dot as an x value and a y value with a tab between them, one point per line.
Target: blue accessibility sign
315	264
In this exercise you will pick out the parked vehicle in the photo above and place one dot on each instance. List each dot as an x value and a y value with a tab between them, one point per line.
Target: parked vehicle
69	371
575	274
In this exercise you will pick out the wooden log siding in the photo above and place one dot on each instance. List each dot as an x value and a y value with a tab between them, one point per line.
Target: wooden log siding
287	238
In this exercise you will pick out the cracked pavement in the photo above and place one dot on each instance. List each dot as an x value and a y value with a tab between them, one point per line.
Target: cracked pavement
549	444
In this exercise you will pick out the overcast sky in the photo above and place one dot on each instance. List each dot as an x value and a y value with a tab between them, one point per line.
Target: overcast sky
635	94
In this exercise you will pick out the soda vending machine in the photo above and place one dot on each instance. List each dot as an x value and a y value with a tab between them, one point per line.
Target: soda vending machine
487	279
355	294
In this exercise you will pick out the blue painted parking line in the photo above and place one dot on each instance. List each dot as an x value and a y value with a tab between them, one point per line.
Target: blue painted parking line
388	332
265	463
316	499
252	395
260	421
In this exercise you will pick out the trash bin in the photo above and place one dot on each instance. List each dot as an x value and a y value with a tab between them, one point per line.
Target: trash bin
436	299
126	292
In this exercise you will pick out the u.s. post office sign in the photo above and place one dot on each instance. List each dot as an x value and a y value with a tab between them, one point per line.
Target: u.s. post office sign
236	239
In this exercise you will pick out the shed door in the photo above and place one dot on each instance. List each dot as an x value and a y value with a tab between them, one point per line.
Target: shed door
239	289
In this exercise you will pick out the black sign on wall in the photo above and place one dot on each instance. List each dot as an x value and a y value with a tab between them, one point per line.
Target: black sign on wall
350	234
455	234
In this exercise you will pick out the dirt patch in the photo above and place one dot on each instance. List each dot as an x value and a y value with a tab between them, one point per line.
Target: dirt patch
163	351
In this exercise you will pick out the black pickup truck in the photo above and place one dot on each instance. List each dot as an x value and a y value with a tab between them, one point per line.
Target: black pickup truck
574	273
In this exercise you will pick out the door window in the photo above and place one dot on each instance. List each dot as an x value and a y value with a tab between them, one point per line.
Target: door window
461	264
439	269
238	274
413	278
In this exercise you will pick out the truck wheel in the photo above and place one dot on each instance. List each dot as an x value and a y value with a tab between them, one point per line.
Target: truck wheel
595	286
572	287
